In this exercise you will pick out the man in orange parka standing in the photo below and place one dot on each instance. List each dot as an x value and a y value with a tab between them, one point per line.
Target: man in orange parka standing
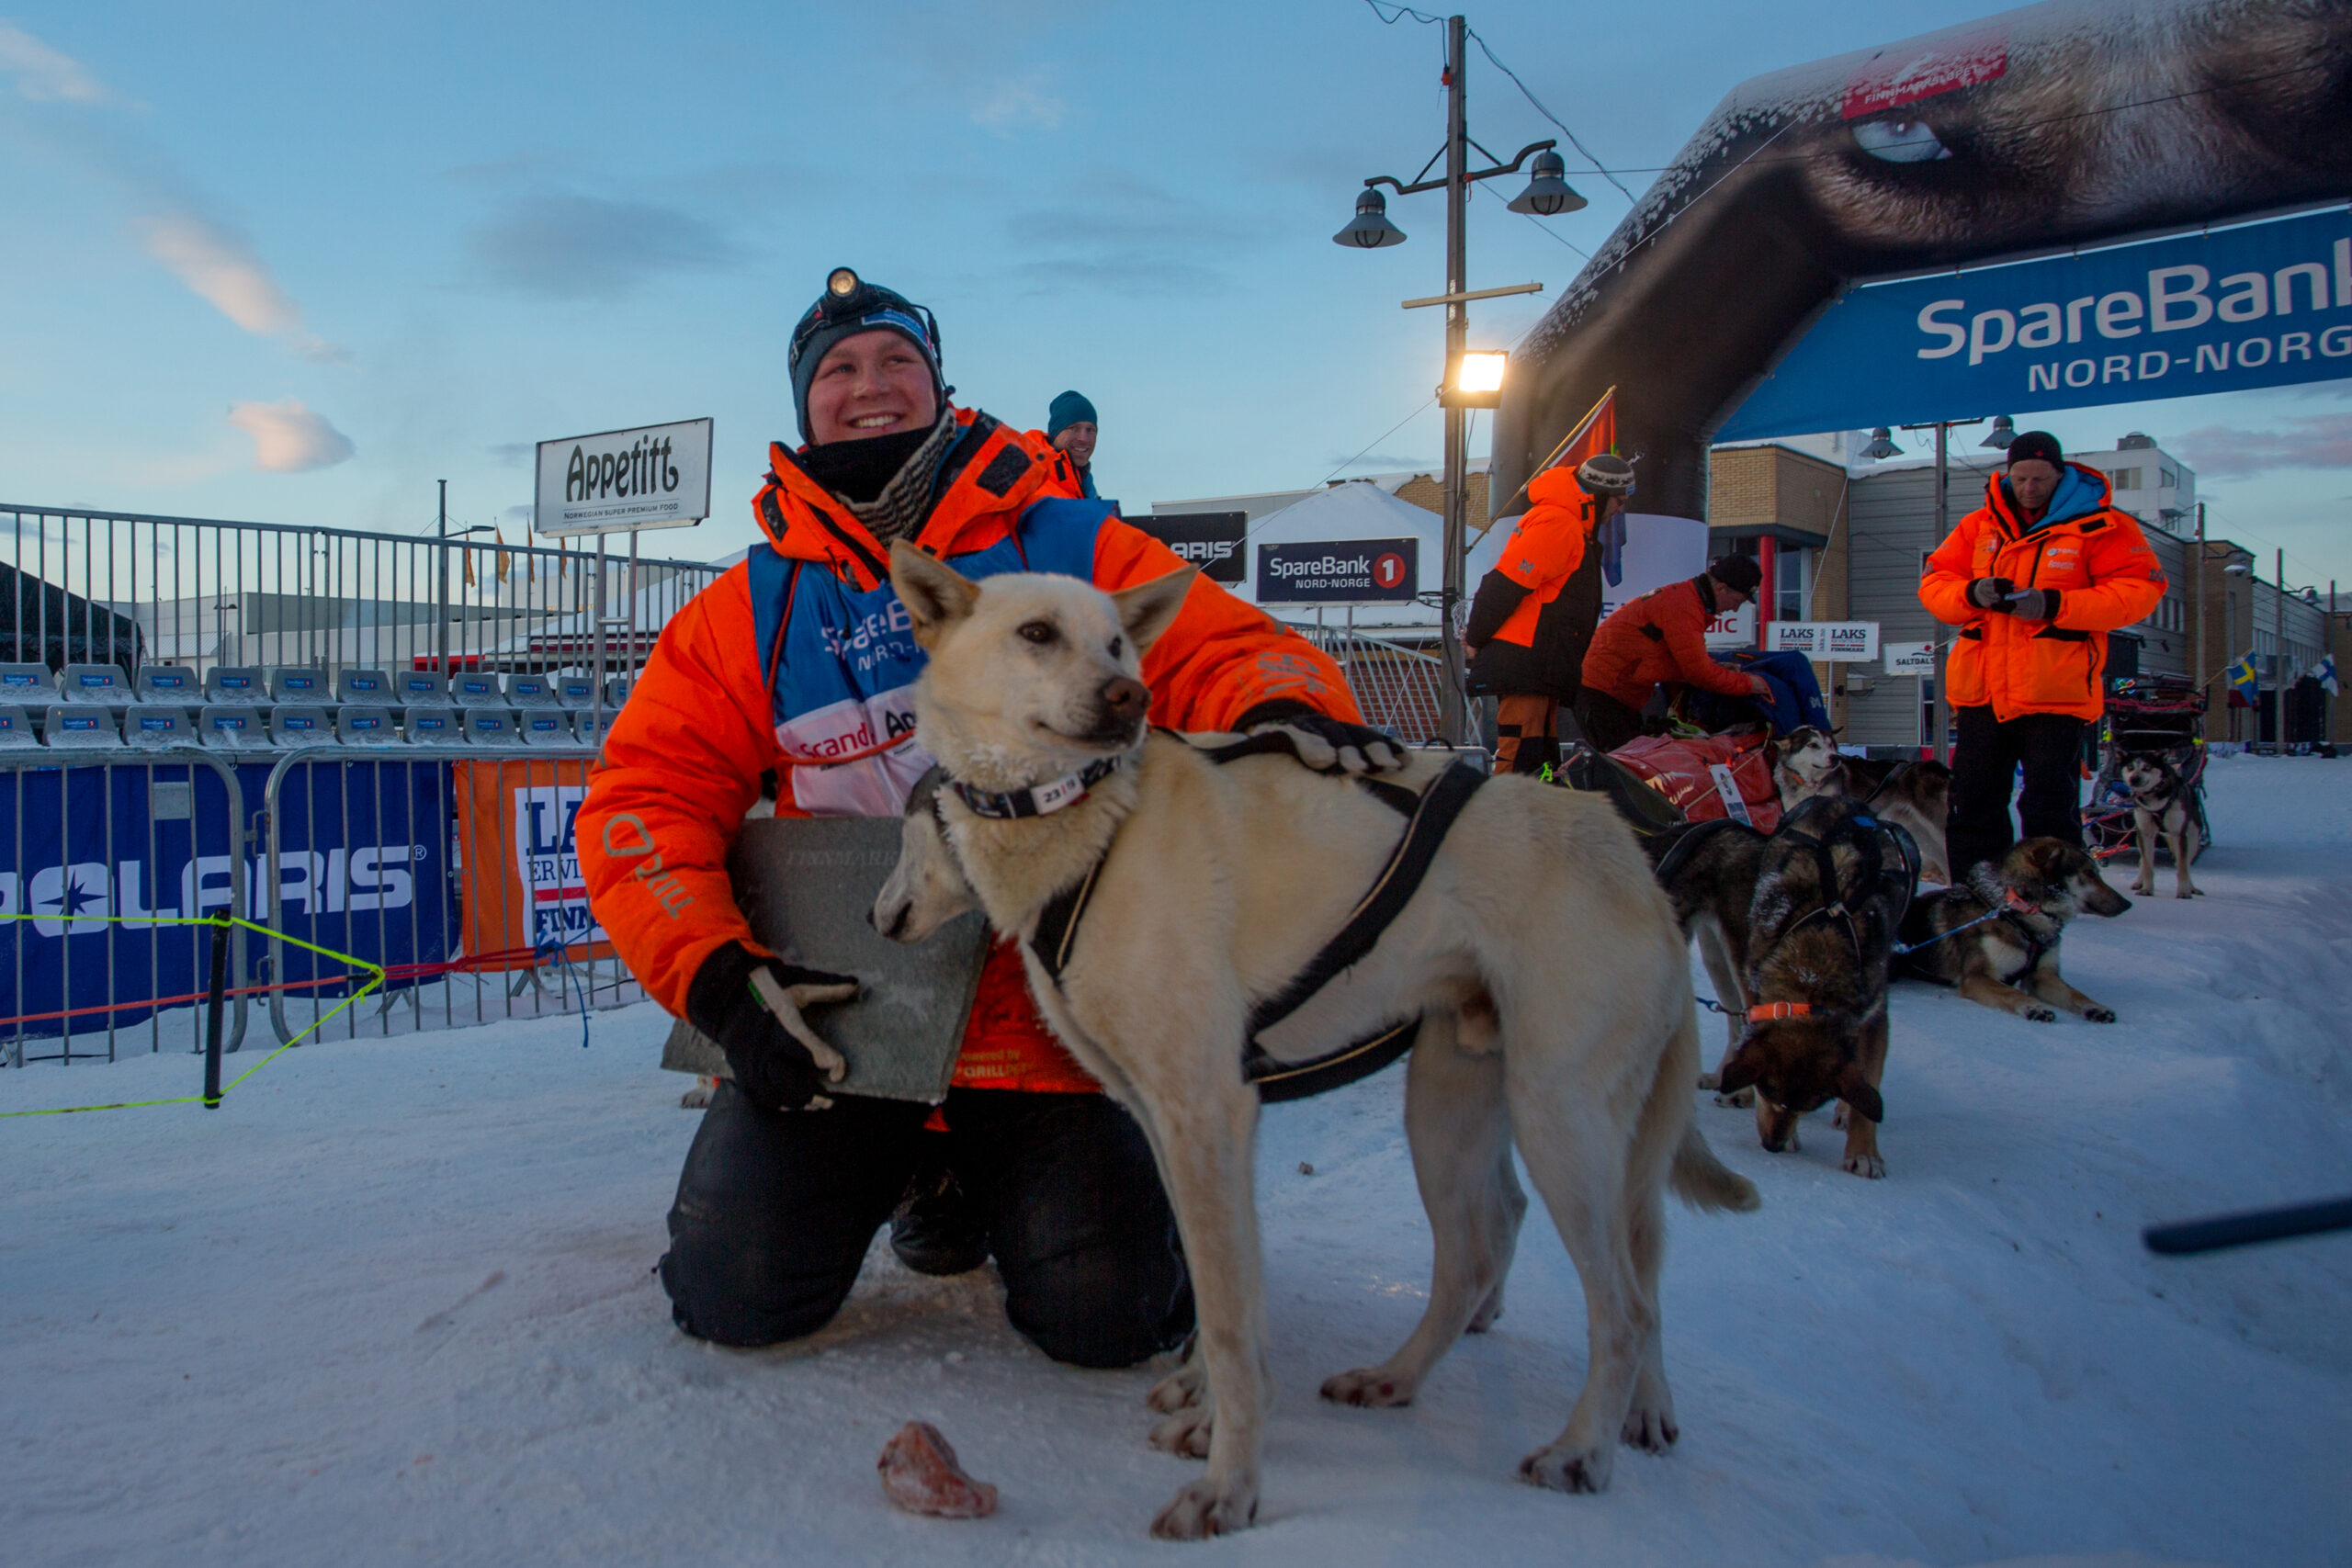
1534	613
799	663
2035	579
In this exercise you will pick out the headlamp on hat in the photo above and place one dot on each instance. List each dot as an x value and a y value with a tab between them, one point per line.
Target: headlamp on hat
849	306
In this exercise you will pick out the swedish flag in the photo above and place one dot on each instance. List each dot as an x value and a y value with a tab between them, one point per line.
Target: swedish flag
2242	679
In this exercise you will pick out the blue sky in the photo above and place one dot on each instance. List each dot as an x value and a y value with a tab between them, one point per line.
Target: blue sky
375	246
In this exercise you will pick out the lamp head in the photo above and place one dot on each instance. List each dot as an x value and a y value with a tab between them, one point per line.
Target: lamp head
1548	194
1881	445
1371	230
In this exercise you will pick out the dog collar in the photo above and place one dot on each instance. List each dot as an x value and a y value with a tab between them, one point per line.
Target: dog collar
1037	800
1764	1013
2020	907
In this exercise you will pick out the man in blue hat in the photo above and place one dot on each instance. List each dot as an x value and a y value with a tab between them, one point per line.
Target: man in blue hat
1070	425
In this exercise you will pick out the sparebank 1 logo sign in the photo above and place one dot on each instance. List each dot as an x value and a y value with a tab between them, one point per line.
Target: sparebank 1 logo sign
548	859
2261	305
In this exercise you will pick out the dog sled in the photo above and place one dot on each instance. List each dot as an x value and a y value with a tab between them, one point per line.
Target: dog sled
2159	717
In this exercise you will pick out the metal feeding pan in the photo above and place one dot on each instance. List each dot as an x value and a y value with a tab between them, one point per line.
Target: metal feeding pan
805	884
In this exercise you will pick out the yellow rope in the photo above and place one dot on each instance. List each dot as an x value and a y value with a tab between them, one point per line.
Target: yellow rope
221	924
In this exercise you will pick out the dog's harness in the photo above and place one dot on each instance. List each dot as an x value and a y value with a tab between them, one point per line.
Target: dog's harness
1869	842
2009	909
1428	815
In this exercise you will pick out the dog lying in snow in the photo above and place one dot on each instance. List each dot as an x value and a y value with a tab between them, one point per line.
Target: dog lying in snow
1998	930
1539	958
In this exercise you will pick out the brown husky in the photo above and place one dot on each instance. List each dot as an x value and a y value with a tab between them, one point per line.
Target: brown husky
1996	936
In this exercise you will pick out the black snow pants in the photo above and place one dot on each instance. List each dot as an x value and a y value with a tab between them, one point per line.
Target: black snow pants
1986	754
776	1211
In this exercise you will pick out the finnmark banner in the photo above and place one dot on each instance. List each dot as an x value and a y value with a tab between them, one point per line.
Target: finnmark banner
2262	305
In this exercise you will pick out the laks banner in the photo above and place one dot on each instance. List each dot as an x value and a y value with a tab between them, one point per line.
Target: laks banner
2260	305
524	887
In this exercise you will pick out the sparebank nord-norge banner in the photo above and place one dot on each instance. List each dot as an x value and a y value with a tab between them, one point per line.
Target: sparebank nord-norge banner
2263	305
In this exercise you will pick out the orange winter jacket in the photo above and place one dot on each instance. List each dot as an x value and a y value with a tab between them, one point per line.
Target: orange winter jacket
799	662
2096	557
1545	549
1662	635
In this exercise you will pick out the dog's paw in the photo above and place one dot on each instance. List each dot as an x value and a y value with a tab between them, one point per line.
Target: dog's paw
1709	1081
1744	1100
1560	1469
1838	1118
1367	1386
1652	1431
2038	1015
1180	1390
1869	1168
2098	1014
1488	1311
2183	893
1186	1434
1207	1507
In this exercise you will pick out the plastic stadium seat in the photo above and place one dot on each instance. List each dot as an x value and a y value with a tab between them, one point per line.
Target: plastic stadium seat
16	728
169	683
616	691
411	687
492	727
94	683
157	724
224	724
576	690
233	684
359	725
31	684
530	691
79	725
547	726
472	688
301	727
299	685
370	686
431	727
590	728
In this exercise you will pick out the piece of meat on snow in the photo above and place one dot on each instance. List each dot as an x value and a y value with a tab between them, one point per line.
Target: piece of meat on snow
921	1475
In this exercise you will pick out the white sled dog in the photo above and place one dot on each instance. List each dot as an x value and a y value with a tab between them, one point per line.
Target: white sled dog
1541	959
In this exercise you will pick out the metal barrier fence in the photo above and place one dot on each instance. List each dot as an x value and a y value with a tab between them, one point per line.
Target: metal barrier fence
1398	682
131	591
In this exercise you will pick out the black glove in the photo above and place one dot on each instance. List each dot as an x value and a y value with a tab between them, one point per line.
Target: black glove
1326	744
778	1061
2037	604
1987	593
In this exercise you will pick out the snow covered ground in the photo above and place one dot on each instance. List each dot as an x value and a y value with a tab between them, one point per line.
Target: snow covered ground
391	1304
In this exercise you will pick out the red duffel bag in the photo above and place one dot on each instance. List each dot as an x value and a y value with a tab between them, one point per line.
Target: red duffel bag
1683	769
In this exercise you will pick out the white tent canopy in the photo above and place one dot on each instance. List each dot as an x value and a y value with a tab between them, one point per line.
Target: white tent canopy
1355	511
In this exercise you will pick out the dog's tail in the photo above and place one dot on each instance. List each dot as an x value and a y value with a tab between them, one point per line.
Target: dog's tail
1706	1183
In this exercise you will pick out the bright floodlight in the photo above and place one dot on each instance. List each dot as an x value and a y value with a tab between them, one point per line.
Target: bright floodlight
1481	371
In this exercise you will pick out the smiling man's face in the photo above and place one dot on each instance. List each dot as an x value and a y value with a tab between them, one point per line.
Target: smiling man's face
874	384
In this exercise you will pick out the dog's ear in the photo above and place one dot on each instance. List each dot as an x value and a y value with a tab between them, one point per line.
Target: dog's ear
1858	1092
936	595
1146	609
1743	1068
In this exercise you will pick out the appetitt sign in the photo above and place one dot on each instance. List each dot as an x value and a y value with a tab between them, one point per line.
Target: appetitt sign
1339	571
653	476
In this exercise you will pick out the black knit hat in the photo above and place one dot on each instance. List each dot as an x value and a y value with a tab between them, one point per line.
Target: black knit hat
1605	473
1738	573
849	306
2038	445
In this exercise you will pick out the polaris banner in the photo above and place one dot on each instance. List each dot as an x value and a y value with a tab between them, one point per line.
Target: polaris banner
2264	305
1210	540
88	856
1339	571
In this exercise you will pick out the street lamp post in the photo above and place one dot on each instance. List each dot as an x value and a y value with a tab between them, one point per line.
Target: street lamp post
1547	195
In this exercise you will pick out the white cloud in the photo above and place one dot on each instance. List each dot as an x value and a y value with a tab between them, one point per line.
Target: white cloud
290	438
43	75
1019	102
222	270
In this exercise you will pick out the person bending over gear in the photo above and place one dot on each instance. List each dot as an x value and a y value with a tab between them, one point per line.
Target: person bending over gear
799	662
1070	426
1662	636
1534	613
2034	579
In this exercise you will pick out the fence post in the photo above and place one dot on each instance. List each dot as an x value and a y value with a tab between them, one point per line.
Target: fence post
213	991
